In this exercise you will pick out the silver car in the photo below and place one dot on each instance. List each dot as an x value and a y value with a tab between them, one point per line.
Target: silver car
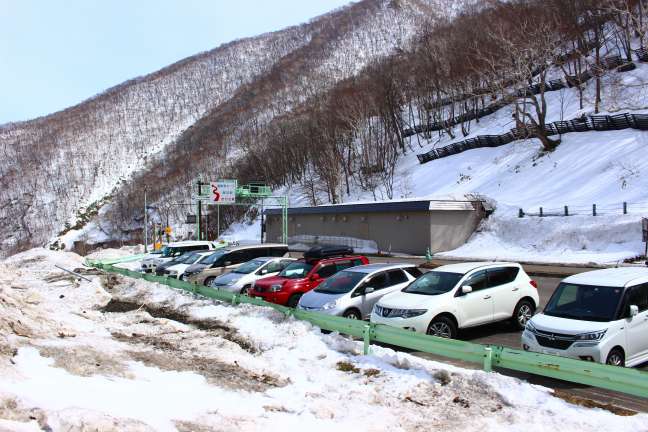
352	292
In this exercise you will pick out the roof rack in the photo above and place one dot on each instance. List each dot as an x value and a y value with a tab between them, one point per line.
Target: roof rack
327	251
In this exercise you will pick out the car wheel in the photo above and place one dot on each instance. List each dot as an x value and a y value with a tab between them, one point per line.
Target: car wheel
616	358
522	313
442	327
294	300
352	314
245	289
209	281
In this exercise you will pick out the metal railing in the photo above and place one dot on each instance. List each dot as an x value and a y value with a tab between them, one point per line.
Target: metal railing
626	380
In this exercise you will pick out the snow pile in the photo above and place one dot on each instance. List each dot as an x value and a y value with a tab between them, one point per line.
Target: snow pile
116	354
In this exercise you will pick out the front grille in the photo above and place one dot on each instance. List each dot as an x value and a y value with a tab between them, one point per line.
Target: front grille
548	342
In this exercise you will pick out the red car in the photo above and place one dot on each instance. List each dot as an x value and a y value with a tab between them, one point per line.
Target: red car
305	274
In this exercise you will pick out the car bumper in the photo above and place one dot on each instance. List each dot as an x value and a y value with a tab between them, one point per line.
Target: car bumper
418	324
577	350
279	297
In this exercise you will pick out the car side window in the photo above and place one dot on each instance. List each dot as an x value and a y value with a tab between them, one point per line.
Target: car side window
638	295
501	276
341	265
275	251
477	281
357	262
378	281
396	277
327	270
274	267
414	271
238	257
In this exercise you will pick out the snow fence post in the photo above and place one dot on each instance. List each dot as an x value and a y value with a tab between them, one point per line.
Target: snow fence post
488	359
367	333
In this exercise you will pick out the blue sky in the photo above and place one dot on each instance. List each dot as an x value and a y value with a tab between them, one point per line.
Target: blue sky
56	53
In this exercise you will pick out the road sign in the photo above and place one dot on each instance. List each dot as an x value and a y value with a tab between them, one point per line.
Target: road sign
191	219
167	230
223	191
644	228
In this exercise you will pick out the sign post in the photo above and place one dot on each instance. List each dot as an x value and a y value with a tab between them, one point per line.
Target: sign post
644	231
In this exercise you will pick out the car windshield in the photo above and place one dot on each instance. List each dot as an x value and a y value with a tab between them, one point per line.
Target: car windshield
340	283
434	283
168	252
584	302
296	270
249	267
181	259
211	259
191	258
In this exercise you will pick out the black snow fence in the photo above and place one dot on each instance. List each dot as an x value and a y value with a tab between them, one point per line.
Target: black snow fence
581	124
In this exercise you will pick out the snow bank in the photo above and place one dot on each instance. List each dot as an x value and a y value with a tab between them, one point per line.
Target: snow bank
127	355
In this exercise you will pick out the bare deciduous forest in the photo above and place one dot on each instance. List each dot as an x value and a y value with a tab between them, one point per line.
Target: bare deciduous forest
324	106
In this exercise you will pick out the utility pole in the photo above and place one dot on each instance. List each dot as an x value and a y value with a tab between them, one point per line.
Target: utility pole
198	212
262	226
145	224
217	221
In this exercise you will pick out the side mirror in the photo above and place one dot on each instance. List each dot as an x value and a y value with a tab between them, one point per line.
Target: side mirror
226	263
634	310
264	271
314	276
369	290
466	289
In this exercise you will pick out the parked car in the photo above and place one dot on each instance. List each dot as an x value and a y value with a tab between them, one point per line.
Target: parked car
174	250
230	258
241	279
177	268
160	268
599	316
301	276
352	293
457	296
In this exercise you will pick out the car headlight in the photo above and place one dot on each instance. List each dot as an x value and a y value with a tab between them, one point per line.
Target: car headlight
329	305
275	288
530	327
399	313
592	336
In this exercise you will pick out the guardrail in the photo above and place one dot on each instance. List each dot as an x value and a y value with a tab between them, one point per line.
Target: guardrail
619	379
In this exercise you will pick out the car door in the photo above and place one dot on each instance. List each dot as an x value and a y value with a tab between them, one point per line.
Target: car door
504	291
379	282
637	326
475	307
323	271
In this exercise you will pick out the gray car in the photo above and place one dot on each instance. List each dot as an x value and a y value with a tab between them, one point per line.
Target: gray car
353	292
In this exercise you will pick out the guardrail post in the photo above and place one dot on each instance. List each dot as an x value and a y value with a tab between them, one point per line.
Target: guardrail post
366	336
235	299
488	359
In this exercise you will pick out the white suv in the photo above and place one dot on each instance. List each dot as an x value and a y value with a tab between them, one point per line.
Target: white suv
460	295
600	316
174	250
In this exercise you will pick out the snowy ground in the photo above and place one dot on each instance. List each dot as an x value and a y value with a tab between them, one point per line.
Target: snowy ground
116	354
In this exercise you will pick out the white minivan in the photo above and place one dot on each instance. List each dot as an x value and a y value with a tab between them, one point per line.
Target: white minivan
599	316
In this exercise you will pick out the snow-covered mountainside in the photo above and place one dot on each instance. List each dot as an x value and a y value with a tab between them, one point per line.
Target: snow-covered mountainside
606	168
114	354
58	170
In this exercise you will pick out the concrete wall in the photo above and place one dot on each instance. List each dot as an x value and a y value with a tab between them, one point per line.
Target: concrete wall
407	232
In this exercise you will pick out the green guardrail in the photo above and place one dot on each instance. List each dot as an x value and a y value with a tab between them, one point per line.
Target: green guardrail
626	380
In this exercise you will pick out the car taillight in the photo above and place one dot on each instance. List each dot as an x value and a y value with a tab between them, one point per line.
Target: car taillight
534	284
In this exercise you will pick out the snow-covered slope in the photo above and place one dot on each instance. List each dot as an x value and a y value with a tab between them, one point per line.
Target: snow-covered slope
114	354
75	159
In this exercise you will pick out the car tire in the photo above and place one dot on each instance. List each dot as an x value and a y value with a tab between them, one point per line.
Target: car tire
522	313
209	281
615	357
294	300
353	314
442	327
245	290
